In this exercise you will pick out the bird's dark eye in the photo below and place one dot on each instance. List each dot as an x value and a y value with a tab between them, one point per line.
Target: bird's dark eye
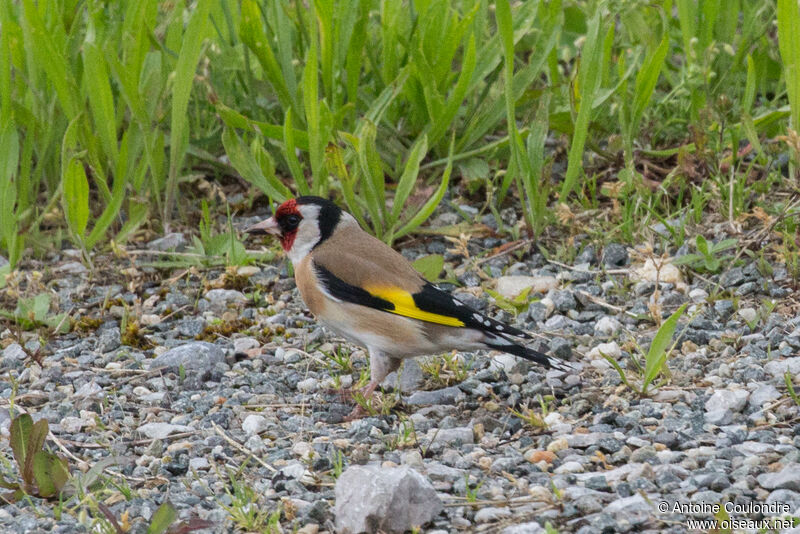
290	222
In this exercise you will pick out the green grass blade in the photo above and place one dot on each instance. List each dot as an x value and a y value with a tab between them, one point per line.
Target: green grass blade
506	29
647	78
311	104
51	58
251	32
409	177
535	189
455	101
246	164
789	46
372	178
281	25
290	155
427	209
588	83
188	57
76	196
9	163
657	354
101	100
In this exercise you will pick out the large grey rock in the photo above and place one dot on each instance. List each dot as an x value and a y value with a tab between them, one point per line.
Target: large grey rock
219	300
777	368
372	499
161	430
449	395
253	424
615	255
108	340
14	351
410	377
170	241
524	528
490	514
511	286
198	355
607	326
786	478
763	394
458	435
727	399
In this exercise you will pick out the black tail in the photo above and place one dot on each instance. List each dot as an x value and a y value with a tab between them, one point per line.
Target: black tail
549	362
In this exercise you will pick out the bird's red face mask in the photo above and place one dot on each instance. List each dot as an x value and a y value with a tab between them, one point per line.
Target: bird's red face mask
283	224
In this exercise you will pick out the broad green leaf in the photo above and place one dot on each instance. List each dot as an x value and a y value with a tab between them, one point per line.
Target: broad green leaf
41	306
725	244
162	519
51	473
20	436
430	266
657	354
76	196
750	86
702	245
34	445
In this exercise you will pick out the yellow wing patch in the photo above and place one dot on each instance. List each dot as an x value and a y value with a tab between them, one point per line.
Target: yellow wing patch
404	305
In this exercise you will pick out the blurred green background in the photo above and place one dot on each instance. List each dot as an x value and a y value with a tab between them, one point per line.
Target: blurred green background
118	117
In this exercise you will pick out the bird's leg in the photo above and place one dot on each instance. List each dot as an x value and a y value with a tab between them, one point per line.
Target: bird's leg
380	367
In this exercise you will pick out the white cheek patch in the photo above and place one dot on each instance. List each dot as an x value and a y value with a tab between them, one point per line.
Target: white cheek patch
307	234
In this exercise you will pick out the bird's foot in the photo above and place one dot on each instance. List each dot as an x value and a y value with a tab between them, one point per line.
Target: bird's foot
358	413
346	395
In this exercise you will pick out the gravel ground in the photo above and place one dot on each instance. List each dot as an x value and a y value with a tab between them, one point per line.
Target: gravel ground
224	398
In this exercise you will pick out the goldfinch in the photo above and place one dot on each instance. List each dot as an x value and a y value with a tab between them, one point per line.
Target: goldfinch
364	290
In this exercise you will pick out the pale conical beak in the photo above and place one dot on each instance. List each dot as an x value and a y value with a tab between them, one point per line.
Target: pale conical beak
267	226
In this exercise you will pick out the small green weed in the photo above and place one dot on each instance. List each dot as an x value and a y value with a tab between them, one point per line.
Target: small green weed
656	358
34	312
787	379
529	417
513	306
43	474
471	492
445	370
379	403
244	509
337	461
707	258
